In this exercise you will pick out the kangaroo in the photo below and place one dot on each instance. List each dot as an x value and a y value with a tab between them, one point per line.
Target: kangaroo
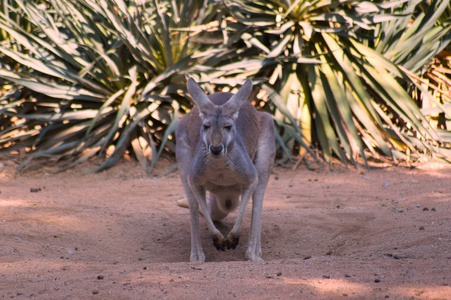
226	147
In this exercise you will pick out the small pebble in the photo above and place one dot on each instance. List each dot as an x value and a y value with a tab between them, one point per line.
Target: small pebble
100	277
95	292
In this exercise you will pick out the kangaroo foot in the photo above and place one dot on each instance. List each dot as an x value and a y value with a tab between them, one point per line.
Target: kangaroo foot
220	242
253	255
198	256
184	203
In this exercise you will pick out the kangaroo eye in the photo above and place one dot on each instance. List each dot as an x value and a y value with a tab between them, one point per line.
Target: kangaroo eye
228	127
206	127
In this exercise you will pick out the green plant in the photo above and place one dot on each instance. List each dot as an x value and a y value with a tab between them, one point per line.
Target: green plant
356	97
101	78
109	76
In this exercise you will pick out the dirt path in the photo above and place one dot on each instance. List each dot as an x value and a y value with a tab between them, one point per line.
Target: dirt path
384	233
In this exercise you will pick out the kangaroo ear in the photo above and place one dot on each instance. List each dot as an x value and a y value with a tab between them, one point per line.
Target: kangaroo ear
199	97
235	102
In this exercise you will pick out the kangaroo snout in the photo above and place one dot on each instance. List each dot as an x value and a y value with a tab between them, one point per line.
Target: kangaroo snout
216	151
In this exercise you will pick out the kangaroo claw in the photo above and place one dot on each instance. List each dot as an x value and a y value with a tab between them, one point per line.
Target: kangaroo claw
232	241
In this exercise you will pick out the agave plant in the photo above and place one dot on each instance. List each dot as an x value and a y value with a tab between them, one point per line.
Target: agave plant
356	97
104	76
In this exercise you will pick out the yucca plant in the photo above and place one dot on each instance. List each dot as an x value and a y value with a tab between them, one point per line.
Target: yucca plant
437	78
425	35
99	78
355	97
107	76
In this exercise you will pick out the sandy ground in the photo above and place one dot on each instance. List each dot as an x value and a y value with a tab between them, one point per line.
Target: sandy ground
343	234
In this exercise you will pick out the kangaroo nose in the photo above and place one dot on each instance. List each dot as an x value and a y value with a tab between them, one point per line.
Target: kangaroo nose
216	150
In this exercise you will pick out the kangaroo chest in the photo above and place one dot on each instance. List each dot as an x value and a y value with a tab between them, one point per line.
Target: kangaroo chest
222	177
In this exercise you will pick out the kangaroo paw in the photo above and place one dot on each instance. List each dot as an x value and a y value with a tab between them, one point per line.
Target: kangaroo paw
220	242
232	241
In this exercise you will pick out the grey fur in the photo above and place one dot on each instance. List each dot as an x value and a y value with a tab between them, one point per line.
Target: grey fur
226	147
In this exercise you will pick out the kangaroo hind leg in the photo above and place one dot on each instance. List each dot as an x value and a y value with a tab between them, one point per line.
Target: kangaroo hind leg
263	162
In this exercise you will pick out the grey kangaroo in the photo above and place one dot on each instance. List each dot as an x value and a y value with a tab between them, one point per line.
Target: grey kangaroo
226	147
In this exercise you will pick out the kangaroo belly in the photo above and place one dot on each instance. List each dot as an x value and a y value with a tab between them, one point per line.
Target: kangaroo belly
226	198
224	180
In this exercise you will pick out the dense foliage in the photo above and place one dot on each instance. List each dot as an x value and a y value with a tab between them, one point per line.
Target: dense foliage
101	78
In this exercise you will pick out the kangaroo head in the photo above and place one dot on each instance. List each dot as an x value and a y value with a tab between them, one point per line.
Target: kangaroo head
218	122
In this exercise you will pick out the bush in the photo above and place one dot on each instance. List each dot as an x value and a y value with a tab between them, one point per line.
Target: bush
100	78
